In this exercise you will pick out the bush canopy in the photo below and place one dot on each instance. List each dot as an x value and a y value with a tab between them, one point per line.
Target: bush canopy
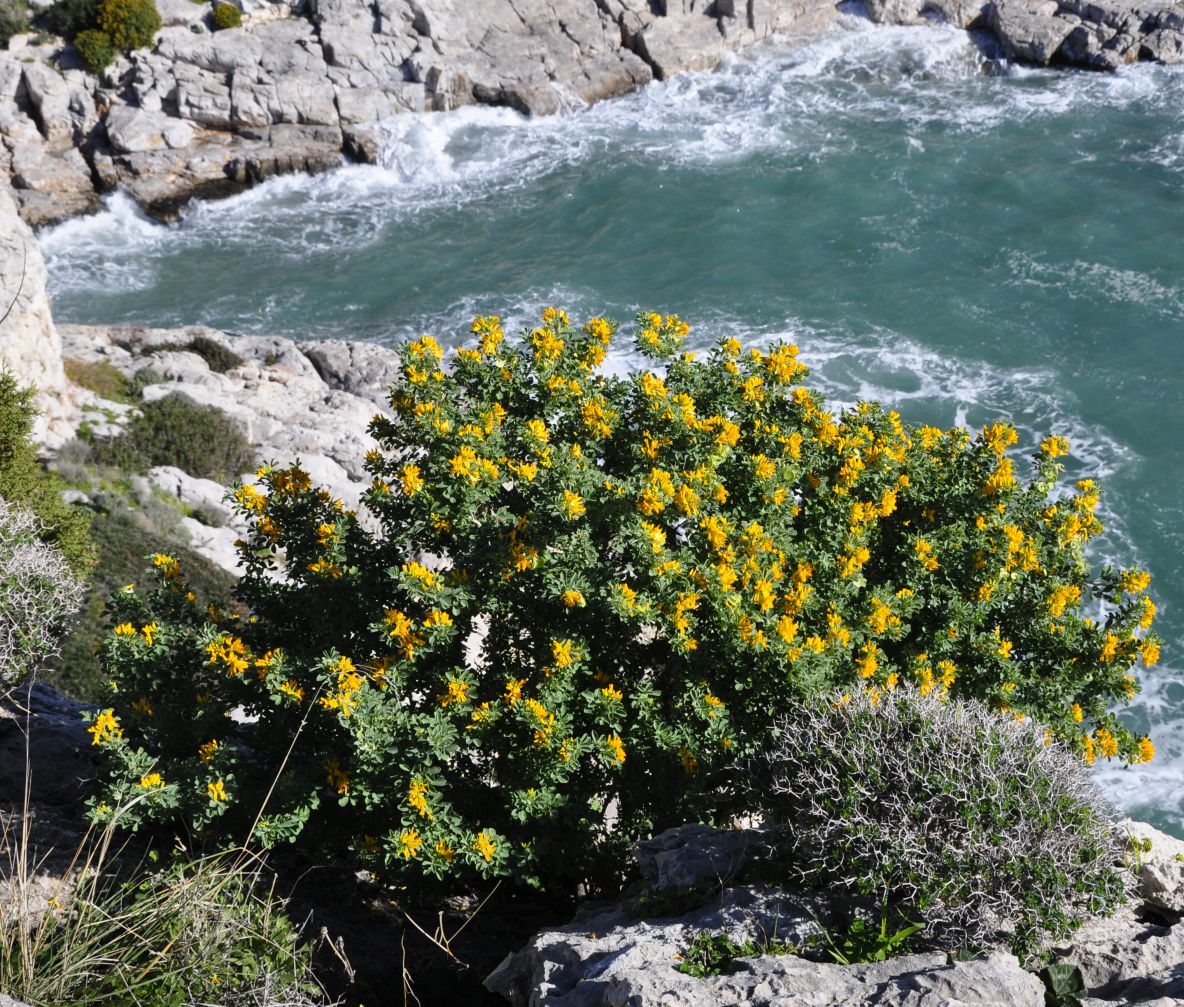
576	600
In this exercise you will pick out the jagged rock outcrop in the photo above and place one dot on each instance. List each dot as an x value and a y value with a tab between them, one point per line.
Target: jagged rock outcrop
610	956
307	401
300	85
303	83
29	344
1094	34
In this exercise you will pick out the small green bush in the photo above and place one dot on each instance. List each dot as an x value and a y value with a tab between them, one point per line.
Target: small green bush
14	19
24	481
970	821
630	575
100	376
131	24
219	357
69	17
226	15
97	50
174	430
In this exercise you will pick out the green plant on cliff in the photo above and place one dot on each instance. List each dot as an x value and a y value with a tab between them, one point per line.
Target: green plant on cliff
226	15
96	48
14	19
948	812
175	430
24	481
69	17
130	24
575	592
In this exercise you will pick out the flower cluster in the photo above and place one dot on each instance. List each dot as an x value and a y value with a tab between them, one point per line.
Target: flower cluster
575	592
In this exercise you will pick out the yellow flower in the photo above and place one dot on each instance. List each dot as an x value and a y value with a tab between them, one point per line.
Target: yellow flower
291	688
250	499
216	791
573	504
125	629
485	846
925	554
611	693
422	574
417	799
141	705
412	479
616	747
1135	581
1054	447
488	330
513	691
151	781
562	653
869	663
572	599
149	631
168	566
105	728
444	851
1150	652
337	777
1146	750
1109	649
458	692
409	844
1107	742
207	751
1076	712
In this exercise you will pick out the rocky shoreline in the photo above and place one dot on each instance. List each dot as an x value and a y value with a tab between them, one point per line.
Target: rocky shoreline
303	85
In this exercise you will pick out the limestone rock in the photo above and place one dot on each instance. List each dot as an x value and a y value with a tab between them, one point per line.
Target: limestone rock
610	959
131	130
1029	33
29	342
287	407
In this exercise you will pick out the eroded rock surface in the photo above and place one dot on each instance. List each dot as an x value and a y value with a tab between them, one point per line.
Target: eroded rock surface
306	401
609	957
300	84
29	344
1094	34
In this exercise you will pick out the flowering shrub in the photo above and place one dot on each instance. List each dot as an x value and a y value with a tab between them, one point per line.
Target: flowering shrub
576	599
967	820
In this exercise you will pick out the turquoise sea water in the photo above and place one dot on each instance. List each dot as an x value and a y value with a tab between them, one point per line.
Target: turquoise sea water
961	245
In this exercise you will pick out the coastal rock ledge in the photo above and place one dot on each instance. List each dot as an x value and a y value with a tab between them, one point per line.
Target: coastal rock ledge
303	84
609	957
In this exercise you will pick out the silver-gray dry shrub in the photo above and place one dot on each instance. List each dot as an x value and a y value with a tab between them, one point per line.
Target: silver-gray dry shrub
974	823
38	594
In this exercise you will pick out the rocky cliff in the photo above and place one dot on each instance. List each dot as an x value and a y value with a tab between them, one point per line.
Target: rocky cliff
303	83
29	343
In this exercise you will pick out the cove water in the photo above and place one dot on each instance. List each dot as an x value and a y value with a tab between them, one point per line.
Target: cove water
963	246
